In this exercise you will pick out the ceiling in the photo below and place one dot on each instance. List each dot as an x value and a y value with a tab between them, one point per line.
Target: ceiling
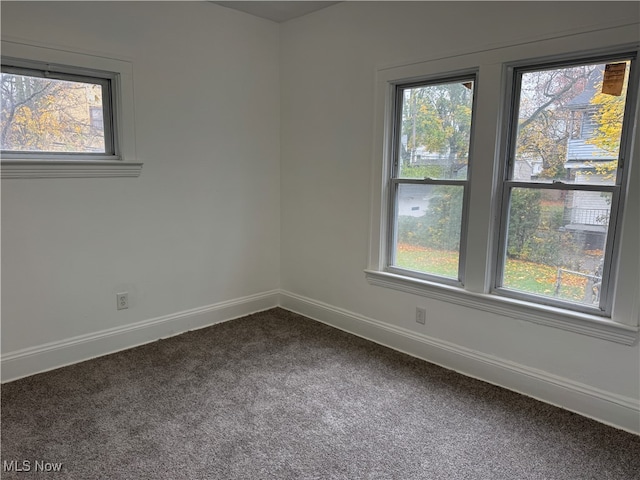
276	11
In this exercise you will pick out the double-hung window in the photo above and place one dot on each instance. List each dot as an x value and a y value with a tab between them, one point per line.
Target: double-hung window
562	193
429	178
502	182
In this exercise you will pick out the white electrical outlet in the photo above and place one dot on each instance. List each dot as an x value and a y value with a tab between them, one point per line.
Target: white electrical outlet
123	300
421	315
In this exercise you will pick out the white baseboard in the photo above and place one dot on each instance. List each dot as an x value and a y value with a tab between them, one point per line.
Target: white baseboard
29	361
615	410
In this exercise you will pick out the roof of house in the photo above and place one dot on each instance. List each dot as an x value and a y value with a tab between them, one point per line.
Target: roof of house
584	99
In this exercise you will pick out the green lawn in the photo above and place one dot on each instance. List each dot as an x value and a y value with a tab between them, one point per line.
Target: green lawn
520	275
421	259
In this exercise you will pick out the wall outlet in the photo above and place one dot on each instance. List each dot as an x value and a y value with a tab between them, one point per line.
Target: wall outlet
123	300
421	315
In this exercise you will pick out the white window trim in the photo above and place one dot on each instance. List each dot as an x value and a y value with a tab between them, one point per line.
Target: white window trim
125	164
623	325
569	320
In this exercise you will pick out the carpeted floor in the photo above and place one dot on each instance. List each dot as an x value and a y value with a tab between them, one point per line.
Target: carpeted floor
275	395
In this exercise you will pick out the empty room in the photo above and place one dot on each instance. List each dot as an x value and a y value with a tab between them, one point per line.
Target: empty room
305	240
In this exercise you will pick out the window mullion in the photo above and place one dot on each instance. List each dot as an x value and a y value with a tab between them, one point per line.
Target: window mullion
428	181
562	186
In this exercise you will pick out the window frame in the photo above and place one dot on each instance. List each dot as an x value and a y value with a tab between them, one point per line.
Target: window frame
515	71
123	163
395	180
623	325
71	74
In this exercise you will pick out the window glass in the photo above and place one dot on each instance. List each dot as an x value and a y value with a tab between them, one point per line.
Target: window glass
570	122
429	179
560	193
428	229
556	241
435	128
41	114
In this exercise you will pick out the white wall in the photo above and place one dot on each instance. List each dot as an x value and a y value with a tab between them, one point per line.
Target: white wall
257	148
200	225
328	70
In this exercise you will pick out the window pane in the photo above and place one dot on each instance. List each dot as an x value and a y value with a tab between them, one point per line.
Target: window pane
570	123
428	229
556	242
48	115
435	130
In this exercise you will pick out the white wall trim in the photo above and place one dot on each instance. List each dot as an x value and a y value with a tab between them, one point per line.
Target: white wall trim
600	27
612	409
577	322
41	358
76	169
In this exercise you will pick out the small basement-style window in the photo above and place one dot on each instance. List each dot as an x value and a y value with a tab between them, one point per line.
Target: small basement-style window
65	114
560	226
51	113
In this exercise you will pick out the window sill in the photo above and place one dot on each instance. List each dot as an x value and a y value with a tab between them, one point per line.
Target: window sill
582	323
69	169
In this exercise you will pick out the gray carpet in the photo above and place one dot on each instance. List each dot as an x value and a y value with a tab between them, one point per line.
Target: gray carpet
276	395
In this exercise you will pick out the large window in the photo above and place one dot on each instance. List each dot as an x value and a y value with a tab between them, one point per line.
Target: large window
429	177
563	191
47	113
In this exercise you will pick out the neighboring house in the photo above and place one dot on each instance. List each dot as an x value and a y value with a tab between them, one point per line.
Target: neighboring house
586	212
413	200
527	168
421	156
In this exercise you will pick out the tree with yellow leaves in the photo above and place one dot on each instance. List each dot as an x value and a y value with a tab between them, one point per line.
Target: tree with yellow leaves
609	118
41	114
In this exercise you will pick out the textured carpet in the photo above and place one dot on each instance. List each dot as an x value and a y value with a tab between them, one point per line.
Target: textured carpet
276	395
